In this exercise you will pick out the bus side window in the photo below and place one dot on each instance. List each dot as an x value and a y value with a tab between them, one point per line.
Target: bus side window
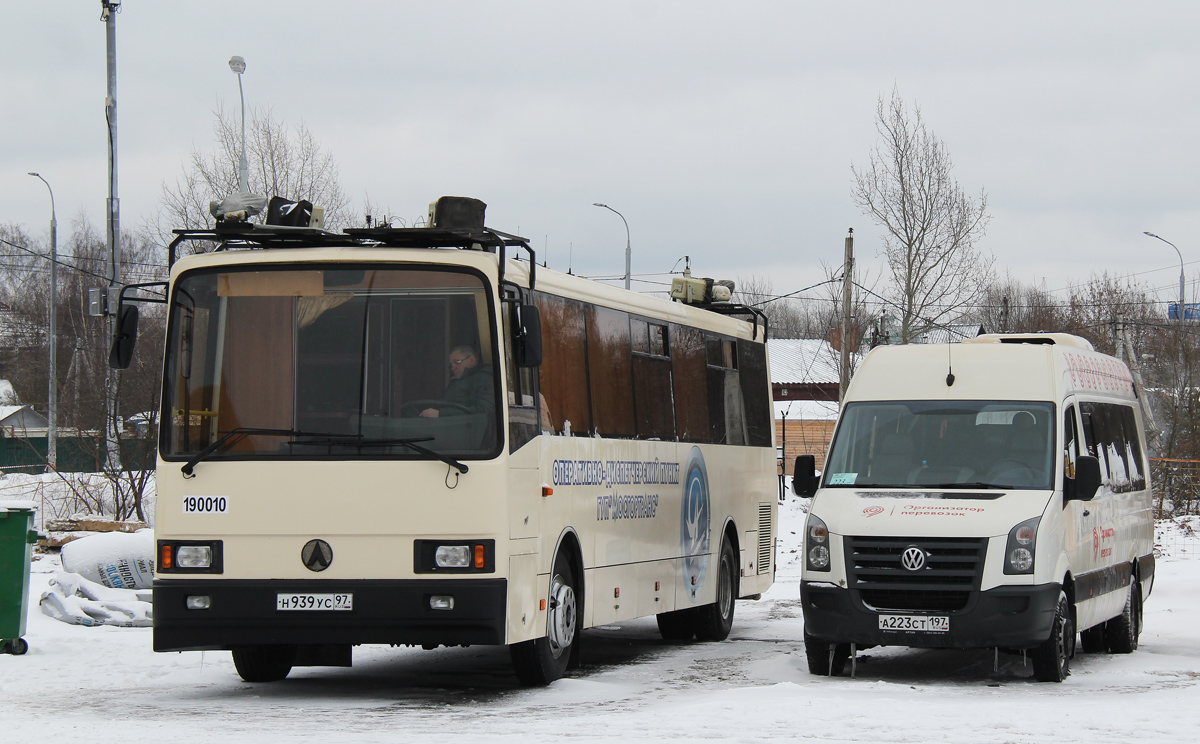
563	376
523	417
689	382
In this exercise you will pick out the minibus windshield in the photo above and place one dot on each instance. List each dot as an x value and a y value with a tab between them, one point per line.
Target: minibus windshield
329	361
961	444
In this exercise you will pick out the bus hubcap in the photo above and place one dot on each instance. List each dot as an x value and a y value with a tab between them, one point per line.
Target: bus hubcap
562	615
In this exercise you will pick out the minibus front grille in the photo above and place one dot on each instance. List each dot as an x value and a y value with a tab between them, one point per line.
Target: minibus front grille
949	573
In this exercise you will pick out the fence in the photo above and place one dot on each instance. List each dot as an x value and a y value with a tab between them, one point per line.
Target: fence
1176	487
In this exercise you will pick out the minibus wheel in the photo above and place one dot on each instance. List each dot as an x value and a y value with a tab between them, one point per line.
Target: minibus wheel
1123	630
543	660
714	621
263	663
1052	659
823	663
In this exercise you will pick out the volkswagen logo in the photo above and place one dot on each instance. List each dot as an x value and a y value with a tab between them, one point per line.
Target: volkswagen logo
316	555
913	558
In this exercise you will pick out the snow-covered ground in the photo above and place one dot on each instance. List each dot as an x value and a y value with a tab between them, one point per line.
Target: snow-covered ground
105	684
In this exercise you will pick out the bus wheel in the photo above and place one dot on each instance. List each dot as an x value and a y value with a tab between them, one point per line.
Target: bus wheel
543	660
714	621
1123	630
263	663
679	625
1052	659
825	659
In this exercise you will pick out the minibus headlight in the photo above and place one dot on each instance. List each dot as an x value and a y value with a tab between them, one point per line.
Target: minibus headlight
453	556
816	544
1020	551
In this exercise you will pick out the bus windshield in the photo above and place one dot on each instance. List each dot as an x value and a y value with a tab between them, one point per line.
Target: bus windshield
943	444
346	362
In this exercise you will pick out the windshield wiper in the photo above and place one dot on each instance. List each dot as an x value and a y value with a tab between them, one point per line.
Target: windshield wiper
410	443
241	431
973	484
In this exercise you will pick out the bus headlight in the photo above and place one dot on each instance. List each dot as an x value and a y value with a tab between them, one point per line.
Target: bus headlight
193	556
453	556
816	544
1020	551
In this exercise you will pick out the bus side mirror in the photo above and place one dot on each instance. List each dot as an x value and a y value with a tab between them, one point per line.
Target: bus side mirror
804	476
121	353
527	336
1087	479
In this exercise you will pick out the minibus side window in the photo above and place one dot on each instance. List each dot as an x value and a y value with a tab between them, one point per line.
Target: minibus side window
1112	437
1070	442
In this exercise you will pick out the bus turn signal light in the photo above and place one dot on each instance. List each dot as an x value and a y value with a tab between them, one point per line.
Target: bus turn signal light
164	560
479	556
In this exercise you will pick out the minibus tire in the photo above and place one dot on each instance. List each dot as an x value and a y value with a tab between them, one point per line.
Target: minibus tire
819	661
714	621
1123	630
266	663
535	662
1052	659
679	625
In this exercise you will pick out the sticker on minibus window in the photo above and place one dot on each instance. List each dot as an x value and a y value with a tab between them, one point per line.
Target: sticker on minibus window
842	479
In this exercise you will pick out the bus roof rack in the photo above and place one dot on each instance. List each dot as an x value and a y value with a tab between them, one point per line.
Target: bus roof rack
251	235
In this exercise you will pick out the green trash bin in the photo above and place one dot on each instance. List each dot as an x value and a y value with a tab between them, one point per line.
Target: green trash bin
17	537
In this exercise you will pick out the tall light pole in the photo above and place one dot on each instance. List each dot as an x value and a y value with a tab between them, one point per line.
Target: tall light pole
1180	274
112	436
627	251
52	432
238	65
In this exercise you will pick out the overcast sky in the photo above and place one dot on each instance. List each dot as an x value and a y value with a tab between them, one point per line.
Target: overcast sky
723	131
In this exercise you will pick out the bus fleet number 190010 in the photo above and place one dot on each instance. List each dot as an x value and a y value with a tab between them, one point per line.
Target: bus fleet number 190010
205	505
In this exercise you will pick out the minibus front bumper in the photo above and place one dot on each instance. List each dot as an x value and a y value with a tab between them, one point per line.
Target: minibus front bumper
1010	617
244	612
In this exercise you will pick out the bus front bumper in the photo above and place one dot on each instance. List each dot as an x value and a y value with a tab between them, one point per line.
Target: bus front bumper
243	612
1008	617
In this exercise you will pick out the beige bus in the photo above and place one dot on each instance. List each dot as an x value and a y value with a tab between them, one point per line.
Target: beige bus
406	436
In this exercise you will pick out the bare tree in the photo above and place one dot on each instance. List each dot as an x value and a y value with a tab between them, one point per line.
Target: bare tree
284	161
931	226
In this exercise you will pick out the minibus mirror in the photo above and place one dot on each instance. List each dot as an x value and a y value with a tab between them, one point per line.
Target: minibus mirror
804	476
1087	478
527	336
121	353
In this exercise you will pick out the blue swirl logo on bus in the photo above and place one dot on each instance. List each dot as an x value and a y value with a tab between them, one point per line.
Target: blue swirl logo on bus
694	521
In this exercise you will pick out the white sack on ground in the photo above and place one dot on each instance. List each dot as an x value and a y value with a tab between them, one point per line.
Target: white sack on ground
115	559
73	599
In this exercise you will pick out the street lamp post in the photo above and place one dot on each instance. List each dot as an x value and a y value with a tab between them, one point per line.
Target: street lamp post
628	254
238	65
52	431
1180	273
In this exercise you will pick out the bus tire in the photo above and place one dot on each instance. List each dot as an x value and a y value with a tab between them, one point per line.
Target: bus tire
679	625
1122	631
823	663
263	663
1052	659
539	662
714	621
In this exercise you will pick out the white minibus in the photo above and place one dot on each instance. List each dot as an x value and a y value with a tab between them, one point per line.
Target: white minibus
993	493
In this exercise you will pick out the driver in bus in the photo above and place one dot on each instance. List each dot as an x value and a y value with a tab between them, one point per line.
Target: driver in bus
471	386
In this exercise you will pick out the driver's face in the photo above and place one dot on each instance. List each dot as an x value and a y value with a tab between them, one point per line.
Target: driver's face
460	363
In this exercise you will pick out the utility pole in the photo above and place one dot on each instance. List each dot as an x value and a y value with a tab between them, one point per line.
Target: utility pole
108	14
52	392
847	290
1125	348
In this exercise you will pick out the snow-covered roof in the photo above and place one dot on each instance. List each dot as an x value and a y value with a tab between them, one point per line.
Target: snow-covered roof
803	360
806	410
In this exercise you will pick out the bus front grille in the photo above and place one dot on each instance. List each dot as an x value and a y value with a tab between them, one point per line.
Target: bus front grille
917	574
